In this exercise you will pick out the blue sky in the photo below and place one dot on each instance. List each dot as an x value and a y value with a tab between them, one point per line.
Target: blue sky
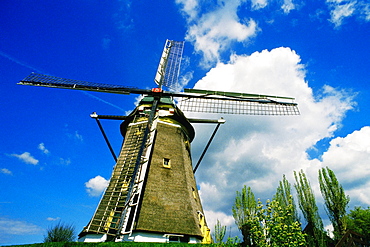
54	163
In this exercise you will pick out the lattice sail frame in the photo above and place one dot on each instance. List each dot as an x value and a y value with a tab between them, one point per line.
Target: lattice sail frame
237	107
169	66
236	103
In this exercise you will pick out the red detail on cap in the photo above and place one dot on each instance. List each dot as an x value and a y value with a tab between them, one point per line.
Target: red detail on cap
156	90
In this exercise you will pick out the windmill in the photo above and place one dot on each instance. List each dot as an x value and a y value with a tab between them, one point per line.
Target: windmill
152	194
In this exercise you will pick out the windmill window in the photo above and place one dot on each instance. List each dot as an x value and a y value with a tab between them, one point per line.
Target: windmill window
194	194
166	163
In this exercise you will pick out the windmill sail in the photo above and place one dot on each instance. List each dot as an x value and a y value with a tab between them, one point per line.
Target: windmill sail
41	80
237	103
169	65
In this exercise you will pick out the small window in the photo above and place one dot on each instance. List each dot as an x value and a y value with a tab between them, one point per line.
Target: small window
166	163
194	194
174	239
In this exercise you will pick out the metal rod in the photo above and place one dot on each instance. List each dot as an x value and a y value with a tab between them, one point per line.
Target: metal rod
196	120
106	139
207	146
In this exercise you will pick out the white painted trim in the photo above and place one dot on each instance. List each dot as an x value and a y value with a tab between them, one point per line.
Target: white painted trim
93	238
152	237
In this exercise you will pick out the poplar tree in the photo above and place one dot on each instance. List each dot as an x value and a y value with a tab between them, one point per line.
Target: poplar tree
267	226
336	201
307	204
285	199
244	212
220	232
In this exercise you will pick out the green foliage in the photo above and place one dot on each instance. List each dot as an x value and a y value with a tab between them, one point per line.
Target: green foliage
274	228
307	203
60	233
272	225
219	232
244	211
359	221
285	199
336	201
244	208
235	241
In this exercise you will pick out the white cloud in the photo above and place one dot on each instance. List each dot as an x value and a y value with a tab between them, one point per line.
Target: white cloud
78	136
43	148
365	11
259	4
257	150
288	6
17	227
340	10
52	219
27	158
6	171
96	186
213	32
106	41
65	162
189	8
225	220
349	158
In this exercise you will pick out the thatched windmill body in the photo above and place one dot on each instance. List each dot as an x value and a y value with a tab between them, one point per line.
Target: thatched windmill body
152	194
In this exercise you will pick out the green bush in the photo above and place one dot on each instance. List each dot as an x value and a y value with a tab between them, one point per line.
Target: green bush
60	233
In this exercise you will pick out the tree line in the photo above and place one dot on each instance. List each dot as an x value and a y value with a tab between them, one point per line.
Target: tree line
277	222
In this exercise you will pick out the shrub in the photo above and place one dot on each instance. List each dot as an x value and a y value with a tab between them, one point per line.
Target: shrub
60	233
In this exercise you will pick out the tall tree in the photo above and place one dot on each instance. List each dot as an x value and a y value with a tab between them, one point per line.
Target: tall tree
285	199
307	204
359	221
336	201
244	212
266	226
279	228
219	232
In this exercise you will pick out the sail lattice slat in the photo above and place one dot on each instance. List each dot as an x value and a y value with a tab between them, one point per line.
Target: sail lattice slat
107	217
247	107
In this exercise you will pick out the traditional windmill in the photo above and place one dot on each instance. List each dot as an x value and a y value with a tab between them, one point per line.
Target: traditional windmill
152	195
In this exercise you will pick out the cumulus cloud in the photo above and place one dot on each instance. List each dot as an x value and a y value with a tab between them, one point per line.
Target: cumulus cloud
17	227
225	220
213	32
96	186
27	158
287	6
43	148
349	158
257	150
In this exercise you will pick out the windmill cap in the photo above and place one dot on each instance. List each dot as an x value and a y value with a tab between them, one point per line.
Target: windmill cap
163	100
